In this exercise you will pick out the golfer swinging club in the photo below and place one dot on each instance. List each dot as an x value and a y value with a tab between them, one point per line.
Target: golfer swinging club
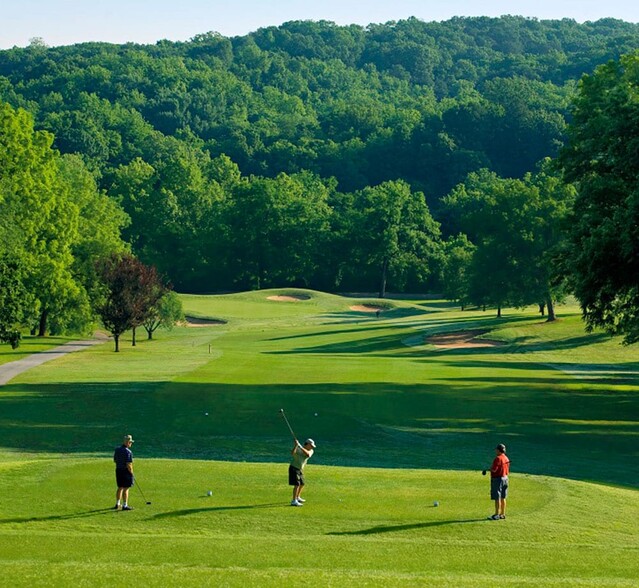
300	455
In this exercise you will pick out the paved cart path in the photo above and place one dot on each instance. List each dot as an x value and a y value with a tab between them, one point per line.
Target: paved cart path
10	370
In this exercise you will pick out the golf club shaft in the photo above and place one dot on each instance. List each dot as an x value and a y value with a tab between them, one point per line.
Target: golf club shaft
140	489
288	424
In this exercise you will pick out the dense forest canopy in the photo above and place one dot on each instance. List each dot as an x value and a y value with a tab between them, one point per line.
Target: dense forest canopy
307	120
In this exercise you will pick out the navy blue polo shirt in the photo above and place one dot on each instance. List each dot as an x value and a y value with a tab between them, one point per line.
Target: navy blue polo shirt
122	456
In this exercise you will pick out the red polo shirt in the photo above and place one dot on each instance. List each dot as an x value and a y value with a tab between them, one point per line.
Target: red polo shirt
500	467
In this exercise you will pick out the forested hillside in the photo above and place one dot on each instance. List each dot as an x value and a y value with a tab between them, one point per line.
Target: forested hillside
282	156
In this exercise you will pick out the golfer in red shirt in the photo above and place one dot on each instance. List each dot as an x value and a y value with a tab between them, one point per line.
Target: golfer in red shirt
499	481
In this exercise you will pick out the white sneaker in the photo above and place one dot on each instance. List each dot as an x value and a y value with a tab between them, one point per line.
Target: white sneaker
295	503
301	500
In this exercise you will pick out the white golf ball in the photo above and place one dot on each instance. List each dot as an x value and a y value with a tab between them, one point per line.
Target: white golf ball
206	414
436	503
315	414
209	493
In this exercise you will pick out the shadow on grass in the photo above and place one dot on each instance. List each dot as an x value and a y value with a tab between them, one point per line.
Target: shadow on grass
355	317
410	527
451	420
79	515
343	331
192	511
396	343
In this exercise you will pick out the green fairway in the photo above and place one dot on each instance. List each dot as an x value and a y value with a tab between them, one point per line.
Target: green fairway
399	423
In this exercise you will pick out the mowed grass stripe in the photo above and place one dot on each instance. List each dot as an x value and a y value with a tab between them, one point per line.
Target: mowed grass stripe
79	574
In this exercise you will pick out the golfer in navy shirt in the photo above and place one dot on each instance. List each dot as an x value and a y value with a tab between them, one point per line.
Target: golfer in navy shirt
123	459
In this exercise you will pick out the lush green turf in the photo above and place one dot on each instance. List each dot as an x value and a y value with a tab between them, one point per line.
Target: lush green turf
370	526
566	403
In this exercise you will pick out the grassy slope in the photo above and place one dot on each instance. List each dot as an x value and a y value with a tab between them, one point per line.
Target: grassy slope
566	404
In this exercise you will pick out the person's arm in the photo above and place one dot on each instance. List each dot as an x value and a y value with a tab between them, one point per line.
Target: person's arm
306	451
297	444
496	466
129	464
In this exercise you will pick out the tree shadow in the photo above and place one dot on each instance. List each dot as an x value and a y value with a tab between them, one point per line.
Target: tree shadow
395	344
590	429
409	527
345	330
359	316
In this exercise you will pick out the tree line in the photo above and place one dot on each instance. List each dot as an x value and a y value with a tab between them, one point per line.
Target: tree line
407	155
63	261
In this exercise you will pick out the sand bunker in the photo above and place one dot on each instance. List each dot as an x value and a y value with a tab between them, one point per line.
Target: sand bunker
366	308
461	340
296	298
192	321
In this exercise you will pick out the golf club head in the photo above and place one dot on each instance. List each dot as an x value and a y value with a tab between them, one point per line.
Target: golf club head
483	472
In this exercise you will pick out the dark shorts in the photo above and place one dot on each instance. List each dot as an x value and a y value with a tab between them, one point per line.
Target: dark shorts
295	476
123	478
498	488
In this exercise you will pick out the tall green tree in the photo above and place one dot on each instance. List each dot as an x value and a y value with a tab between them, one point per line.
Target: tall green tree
601	158
39	203
100	223
172	202
13	299
275	229
516	226
455	267
393	234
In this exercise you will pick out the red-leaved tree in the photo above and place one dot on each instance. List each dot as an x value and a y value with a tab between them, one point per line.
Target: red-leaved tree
130	291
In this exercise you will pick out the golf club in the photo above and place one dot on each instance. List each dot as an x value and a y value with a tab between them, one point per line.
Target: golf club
140	489
288	424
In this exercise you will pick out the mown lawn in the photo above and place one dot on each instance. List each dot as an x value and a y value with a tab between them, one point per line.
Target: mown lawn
359	525
399	423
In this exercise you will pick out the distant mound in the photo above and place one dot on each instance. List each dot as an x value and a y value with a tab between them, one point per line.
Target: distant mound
366	308
289	298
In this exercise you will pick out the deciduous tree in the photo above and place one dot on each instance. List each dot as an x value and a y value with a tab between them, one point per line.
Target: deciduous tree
393	233
602	159
13	299
129	291
516	226
165	313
